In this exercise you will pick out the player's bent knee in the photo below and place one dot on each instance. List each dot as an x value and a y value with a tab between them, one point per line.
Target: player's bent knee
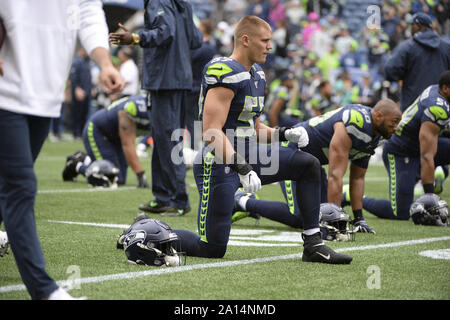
309	167
210	250
402	216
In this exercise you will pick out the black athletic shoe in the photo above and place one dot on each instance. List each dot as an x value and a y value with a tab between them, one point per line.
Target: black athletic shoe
174	212
153	207
316	251
70	173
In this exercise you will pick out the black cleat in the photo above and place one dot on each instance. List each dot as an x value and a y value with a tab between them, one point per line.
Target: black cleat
153	207
316	251
174	212
70	173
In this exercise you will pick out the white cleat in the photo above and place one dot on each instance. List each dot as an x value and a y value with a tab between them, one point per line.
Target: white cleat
61	294
4	243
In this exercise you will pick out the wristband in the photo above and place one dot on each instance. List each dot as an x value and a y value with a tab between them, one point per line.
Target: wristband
428	188
281	131
357	214
239	165
135	38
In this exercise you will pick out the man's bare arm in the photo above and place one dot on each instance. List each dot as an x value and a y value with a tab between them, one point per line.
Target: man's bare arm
340	146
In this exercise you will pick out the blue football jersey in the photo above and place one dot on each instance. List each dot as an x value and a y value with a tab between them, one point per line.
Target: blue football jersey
429	106
107	120
358	123
248	101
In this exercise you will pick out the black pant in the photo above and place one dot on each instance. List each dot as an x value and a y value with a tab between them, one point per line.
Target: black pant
21	139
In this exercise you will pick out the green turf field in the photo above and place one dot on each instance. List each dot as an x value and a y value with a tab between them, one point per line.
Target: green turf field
262	262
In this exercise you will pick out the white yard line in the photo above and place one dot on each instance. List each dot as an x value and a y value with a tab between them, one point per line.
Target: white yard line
163	270
93	224
85	190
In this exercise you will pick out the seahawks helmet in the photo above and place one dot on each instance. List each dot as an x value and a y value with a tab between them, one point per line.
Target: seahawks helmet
429	210
150	242
333	223
102	173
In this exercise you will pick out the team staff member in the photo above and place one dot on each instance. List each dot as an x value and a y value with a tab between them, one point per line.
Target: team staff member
418	61
232	101
168	36
40	40
110	134
415	147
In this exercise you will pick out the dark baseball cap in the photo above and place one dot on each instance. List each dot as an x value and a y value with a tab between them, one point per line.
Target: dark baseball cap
286	76
422	19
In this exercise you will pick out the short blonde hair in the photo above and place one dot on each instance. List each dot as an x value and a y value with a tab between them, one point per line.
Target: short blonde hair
248	25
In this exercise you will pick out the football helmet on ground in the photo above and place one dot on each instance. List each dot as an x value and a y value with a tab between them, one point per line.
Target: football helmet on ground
334	222
102	173
150	242
429	210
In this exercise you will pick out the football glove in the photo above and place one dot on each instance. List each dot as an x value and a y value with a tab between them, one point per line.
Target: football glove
142	180
362	226
249	179
297	135
250	182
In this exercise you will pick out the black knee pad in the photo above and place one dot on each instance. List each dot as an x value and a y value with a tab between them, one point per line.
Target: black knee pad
210	250
306	167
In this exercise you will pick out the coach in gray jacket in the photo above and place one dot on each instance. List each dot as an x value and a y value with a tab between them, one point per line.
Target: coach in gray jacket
168	36
418	61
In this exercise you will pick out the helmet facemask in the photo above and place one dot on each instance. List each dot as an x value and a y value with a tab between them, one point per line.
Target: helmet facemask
334	223
337	231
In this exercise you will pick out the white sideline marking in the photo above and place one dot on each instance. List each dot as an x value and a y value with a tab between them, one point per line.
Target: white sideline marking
436	254
131	275
86	190
93	224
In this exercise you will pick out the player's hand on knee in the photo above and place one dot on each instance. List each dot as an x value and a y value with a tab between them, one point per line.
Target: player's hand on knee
250	182
297	135
249	179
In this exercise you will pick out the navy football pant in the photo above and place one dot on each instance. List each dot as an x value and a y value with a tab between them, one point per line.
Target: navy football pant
286	212
79	111
217	184
403	173
168	175
21	139
98	147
